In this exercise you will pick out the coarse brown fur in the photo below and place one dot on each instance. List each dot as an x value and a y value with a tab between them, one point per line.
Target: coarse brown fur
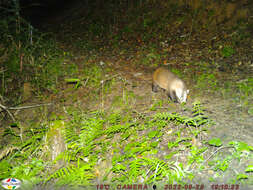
168	81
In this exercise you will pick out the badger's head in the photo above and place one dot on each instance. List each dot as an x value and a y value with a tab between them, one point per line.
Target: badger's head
181	95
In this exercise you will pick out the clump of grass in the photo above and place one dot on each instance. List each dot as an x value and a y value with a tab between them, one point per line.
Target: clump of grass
227	51
245	91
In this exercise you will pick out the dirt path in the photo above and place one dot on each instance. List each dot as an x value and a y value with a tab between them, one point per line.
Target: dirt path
232	121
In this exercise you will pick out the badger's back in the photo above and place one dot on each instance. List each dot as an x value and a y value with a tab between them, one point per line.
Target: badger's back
163	78
176	84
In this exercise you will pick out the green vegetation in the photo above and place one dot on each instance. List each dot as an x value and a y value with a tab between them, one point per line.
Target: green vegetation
227	51
124	148
97	130
245	91
28	57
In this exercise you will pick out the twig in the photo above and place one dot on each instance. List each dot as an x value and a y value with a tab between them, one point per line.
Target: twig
19	108
27	107
6	151
1	97
85	82
111	77
156	170
102	94
102	87
7	110
216	152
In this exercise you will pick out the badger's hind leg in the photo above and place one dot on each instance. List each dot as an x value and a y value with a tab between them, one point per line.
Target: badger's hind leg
154	87
172	95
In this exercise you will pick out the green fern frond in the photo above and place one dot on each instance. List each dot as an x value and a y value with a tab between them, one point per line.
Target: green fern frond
198	120
117	128
81	175
61	172
135	169
114	119
91	129
70	134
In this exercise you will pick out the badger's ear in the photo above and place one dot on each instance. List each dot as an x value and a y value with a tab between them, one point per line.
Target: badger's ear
187	91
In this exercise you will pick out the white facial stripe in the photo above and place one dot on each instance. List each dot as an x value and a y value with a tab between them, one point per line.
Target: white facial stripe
185	96
181	95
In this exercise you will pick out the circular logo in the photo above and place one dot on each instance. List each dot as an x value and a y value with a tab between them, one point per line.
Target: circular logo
11	183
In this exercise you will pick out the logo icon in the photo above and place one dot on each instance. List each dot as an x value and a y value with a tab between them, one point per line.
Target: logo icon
11	183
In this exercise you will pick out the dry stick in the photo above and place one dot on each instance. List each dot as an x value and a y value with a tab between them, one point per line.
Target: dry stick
7	110
85	82
6	151
102	94
189	127
217	151
111	77
3	71
1	98
102	86
156	170
19	108
27	107
103	81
